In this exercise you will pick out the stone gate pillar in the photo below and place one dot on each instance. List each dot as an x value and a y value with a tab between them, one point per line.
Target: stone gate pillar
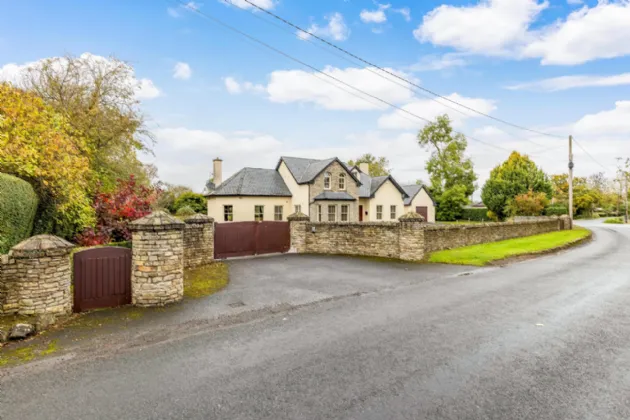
411	238
37	277
157	267
298	225
198	241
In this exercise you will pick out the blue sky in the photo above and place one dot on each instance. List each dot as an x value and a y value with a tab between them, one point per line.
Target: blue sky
558	66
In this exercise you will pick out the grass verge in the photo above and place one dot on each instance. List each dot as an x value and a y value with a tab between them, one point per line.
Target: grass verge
614	221
27	353
206	280
484	254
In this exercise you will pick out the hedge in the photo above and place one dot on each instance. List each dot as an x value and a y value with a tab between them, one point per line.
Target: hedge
476	214
556	211
18	206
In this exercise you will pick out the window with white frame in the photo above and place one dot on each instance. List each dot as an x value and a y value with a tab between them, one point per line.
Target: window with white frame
228	213
259	213
392	212
332	212
327	180
319	213
344	212
342	182
379	212
277	213
298	208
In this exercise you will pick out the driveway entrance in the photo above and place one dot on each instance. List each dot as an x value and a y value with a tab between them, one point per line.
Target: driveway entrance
250	238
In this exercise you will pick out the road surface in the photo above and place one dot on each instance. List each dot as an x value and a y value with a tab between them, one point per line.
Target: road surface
542	339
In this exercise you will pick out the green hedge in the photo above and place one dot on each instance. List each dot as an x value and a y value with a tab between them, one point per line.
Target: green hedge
18	206
556	211
476	214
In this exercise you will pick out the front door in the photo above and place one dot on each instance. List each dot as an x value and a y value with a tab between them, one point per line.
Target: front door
360	213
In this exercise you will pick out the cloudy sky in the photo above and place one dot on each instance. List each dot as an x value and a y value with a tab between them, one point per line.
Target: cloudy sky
558	66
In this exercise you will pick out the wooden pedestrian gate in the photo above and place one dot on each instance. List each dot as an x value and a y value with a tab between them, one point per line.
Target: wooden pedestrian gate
102	278
250	238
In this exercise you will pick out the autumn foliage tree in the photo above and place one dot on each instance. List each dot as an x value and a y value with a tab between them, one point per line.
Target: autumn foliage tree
38	145
529	204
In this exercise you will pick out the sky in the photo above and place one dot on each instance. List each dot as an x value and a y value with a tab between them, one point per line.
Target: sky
559	67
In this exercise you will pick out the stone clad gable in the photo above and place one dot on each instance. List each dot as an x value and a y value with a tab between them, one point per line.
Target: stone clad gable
335	168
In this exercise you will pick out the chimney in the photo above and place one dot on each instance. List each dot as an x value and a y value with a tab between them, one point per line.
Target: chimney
365	168
217	167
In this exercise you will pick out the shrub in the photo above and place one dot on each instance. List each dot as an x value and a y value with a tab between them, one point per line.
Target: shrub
18	205
528	204
556	210
451	203
614	221
476	214
185	211
197	202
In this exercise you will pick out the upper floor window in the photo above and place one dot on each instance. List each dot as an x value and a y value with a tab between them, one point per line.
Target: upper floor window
342	181
228	213
259	213
379	212
298	208
327	180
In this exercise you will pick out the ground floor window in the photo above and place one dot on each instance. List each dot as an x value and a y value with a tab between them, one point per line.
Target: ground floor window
298	208
379	212
344	213
259	213
392	212
228	213
277	213
319	213
332	212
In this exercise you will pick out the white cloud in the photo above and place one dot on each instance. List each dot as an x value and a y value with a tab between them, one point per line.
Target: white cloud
144	88
429	109
610	122
173	12
335	29
440	62
265	4
587	34
375	16
405	12
288	86
176	12
491	27
235	87
572	82
182	71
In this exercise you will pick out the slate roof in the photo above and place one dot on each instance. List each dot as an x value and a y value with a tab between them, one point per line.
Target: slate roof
254	182
334	195
369	185
412	191
306	170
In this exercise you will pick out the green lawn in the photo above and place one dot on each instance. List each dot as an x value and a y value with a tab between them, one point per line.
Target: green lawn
484	254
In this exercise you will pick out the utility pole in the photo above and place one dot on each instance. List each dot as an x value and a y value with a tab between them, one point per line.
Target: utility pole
625	176
571	179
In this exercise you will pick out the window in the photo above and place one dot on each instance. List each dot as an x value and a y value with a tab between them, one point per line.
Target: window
319	213
259	213
379	212
228	213
327	180
298	208
392	212
277	213
332	212
342	181
344	213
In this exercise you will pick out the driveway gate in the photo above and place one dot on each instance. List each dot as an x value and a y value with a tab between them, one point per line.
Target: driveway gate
102	278
250	238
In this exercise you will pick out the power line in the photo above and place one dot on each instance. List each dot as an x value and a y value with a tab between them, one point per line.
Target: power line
394	74
288	56
589	155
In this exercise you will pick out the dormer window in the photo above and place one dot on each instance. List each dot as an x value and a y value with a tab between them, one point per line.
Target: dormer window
342	182
327	180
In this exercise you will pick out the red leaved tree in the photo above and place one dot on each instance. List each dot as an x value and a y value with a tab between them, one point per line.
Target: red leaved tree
115	210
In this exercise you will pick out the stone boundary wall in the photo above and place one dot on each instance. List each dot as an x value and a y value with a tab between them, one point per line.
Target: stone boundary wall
409	239
198	241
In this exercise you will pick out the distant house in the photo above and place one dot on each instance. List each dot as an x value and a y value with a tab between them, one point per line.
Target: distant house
326	190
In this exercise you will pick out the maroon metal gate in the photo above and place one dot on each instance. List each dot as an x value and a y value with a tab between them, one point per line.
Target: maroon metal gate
250	238
424	212
102	278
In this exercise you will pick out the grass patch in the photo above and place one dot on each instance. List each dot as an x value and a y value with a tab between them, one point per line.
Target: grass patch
483	254
206	280
614	221
26	353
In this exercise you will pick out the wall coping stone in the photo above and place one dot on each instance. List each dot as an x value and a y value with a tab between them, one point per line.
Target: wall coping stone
41	245
357	224
298	217
487	224
158	220
411	217
199	219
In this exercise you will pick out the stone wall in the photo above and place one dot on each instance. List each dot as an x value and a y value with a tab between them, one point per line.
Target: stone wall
409	239
35	277
157	276
198	241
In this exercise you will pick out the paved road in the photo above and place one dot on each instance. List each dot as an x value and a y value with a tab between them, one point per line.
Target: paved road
543	339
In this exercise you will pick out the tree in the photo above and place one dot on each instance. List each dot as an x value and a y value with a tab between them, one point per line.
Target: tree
451	202
529	204
197	202
97	96
167	194
517	175
378	166
447	167
40	146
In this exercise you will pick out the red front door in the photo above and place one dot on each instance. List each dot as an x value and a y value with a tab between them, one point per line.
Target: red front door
360	213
